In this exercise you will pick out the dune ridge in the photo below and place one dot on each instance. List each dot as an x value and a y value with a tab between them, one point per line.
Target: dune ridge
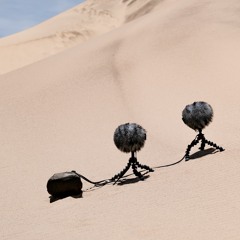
79	24
60	114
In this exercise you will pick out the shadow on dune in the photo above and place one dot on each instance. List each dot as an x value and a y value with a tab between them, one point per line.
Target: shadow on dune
54	199
131	180
125	180
202	153
194	156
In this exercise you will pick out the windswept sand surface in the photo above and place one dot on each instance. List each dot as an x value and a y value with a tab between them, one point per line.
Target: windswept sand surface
81	23
60	114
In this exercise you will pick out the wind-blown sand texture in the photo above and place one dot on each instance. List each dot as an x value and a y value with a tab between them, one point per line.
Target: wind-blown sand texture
60	113
79	24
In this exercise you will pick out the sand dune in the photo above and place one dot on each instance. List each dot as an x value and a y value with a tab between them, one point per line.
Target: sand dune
79	24
60	114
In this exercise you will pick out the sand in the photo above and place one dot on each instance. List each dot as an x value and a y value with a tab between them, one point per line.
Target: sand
60	113
79	24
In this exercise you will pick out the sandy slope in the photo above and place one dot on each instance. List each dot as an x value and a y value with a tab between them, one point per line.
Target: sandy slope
60	114
81	23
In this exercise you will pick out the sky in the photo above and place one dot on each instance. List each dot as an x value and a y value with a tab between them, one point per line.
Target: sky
18	15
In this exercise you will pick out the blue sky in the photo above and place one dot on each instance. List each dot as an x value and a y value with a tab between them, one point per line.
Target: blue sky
17	15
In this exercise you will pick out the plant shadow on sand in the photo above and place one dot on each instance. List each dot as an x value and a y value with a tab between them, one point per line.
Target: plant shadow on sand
54	199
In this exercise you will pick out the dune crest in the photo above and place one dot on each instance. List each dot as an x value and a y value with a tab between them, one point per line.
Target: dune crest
79	24
60	114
